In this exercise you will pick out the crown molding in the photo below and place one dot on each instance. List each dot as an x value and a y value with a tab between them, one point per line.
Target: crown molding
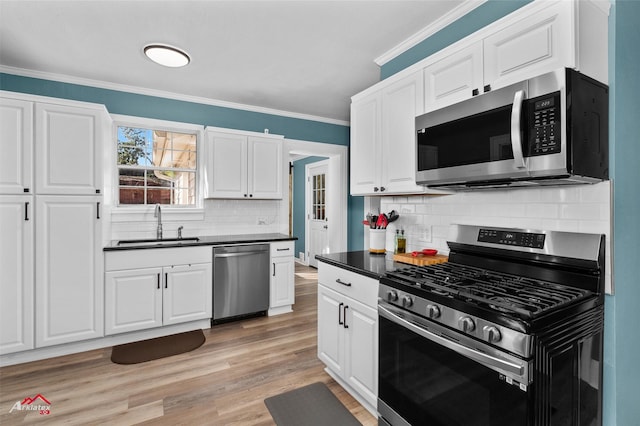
164	94
450	17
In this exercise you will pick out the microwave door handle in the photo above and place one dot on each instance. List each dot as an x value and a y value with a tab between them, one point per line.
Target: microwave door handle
516	134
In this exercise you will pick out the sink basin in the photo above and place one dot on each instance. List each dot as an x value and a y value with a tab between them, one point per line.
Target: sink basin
153	242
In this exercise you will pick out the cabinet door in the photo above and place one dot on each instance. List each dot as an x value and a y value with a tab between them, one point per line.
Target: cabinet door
365	145
532	46
69	288
69	141
361	350
454	78
16	145
282	281
187	293
265	168
226	165
401	102
330	331
16	272
133	300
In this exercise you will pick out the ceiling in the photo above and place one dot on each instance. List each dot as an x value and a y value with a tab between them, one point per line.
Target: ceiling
303	57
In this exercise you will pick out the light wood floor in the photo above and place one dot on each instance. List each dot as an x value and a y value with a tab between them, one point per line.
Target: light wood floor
224	382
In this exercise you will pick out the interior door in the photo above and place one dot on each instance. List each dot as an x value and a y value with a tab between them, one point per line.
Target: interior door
317	220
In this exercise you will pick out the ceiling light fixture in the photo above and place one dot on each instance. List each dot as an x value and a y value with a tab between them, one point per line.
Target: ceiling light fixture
166	55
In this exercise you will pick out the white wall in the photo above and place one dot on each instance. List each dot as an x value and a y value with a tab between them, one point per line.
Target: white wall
426	219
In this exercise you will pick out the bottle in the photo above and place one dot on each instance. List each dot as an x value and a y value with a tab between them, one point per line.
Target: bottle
395	249
401	242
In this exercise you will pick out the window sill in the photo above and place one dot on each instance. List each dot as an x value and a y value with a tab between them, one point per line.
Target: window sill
145	214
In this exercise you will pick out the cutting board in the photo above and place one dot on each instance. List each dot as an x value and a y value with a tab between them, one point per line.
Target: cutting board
420	260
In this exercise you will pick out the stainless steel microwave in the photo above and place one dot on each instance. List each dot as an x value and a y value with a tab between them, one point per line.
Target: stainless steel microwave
549	130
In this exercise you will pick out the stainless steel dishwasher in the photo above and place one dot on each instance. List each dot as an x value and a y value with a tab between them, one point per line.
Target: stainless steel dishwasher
240	281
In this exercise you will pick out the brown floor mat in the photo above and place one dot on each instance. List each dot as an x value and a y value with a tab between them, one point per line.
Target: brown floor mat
160	347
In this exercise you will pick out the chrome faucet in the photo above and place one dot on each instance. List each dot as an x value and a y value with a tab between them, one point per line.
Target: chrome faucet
158	214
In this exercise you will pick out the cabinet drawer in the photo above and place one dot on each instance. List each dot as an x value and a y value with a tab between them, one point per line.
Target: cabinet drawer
283	248
359	287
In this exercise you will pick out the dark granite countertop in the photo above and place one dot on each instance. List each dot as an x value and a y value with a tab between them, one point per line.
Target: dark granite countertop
207	240
362	262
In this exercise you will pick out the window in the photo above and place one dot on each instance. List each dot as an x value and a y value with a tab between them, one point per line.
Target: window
156	166
319	206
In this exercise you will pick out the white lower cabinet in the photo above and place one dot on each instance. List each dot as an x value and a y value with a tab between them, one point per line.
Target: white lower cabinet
348	331
16	270
155	296
68	273
282	285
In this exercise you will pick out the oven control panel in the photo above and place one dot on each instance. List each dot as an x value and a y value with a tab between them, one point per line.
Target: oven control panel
511	238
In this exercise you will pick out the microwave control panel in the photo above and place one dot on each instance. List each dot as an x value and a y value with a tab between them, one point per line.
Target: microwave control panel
544	124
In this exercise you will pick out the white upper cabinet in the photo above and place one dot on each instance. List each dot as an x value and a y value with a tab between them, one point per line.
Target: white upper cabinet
264	168
226	165
365	145
69	148
243	167
383	140
530	46
401	103
454	78
16	145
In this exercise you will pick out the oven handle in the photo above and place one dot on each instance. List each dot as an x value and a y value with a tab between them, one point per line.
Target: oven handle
487	360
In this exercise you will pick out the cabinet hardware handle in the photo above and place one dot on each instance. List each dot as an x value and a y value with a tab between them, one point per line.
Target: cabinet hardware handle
339	281
339	317
487	88
376	189
166	279
382	189
245	195
26	210
158	280
26	190
250	195
98	210
287	249
345	316
475	92
274	269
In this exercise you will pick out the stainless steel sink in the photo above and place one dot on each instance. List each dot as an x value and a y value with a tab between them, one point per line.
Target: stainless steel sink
153	242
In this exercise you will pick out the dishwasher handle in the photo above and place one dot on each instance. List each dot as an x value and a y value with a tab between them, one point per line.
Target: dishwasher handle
244	253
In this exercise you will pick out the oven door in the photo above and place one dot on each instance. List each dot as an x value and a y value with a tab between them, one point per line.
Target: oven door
430	375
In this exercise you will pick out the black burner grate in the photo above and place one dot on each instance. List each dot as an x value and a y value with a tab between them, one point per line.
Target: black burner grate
497	291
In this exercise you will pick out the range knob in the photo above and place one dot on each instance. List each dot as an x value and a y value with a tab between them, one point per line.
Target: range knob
433	311
491	334
466	324
392	295
407	301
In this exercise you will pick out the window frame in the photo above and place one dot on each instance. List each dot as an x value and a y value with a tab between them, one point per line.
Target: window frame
136	212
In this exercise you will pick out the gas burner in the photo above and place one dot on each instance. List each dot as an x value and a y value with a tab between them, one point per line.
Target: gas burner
497	291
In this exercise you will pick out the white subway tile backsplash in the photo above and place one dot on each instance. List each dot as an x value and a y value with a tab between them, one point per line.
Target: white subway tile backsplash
579	208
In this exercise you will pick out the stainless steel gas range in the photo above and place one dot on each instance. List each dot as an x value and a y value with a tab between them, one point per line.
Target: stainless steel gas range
508	332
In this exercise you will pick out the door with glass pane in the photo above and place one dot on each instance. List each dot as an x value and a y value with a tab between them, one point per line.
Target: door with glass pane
317	220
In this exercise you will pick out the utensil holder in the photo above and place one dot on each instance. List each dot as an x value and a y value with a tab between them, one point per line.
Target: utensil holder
377	240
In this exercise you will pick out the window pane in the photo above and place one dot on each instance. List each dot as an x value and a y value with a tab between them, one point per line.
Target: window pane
130	177
159	178
131	195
